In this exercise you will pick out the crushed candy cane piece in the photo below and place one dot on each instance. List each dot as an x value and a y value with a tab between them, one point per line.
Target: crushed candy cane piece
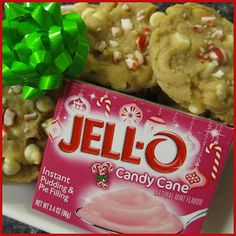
209	20
218	34
115	31
210	42
210	46
131	56
147	31
140	15
218	74
139	57
9	117
131	64
142	42
100	46
221	57
203	56
4	131
213	56
31	116
197	28
126	7
113	43
116	56
126	25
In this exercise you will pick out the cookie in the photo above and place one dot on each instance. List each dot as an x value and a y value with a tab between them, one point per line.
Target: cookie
119	37
25	132
192	58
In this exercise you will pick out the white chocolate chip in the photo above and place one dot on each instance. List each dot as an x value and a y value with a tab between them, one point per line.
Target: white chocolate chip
220	91
100	46
45	104
140	15
180	40
207	71
193	109
31	116
116	56
126	7
99	29
33	154
9	117
115	31
15	89
4	101
113	43
86	11
46	126
131	64
10	167
99	15
202	50
139	57
126	25
218	74
155	17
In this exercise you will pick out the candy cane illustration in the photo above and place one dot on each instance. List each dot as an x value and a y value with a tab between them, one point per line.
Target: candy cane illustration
215	146
104	100
101	171
108	166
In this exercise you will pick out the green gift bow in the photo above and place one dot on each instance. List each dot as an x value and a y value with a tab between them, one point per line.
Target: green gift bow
41	47
101	177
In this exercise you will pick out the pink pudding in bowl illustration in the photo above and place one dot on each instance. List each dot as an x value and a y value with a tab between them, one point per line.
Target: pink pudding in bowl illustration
130	210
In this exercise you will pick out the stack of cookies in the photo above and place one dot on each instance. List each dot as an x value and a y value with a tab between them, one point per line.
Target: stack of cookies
186	51
184	55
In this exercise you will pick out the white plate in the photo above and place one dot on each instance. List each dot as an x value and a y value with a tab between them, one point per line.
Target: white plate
17	205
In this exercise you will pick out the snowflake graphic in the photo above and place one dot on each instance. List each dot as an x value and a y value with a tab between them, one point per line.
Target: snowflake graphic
131	114
192	178
92	96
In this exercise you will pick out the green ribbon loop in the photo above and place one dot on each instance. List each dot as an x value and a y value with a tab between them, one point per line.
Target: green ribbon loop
101	177
41	47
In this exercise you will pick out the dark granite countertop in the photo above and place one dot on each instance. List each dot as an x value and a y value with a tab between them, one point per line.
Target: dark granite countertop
13	226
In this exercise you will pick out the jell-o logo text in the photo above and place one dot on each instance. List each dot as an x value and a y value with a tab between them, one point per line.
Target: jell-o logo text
83	140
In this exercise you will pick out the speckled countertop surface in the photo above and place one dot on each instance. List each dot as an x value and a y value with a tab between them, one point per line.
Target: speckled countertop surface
12	226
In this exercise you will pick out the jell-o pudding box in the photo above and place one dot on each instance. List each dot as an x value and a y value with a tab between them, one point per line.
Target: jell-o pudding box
118	164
